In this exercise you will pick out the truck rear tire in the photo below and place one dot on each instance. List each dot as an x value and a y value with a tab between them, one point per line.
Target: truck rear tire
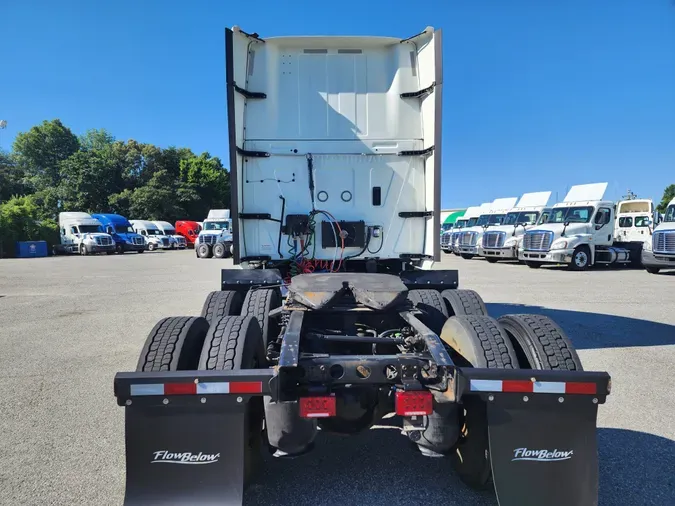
219	250
219	304
484	344
540	343
258	303
464	302
431	302
174	344
235	343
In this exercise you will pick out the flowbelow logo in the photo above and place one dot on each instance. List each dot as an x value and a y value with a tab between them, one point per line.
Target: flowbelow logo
164	457
542	455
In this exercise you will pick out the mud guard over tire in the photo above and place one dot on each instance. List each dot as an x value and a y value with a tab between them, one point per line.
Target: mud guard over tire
543	451
234	343
431	303
482	343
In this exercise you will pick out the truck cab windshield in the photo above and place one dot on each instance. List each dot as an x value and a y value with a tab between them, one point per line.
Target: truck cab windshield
88	229
496	219
154	232
472	222
483	220
670	214
571	214
124	229
460	224
216	225
521	218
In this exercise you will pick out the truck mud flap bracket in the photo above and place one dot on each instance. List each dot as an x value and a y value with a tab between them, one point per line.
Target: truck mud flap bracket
543	451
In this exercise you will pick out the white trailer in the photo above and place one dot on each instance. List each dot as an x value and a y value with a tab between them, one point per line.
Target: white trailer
80	233
659	250
500	242
580	232
471	239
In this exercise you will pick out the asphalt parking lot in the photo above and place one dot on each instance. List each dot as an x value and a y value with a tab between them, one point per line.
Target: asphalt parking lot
67	324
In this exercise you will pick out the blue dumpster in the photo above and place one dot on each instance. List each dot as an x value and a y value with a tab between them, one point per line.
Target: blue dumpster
31	249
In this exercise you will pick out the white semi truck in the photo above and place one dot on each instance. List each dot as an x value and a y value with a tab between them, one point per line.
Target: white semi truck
447	236
152	234
80	233
176	241
501	242
464	237
215	238
471	240
659	250
581	232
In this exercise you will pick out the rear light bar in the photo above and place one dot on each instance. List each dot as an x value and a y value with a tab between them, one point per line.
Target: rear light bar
536	387
206	388
414	403
317	406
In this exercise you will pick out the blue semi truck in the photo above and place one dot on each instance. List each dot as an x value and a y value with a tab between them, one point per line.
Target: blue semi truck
122	233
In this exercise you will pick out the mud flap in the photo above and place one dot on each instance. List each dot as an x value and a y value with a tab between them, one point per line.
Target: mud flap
543	451
188	454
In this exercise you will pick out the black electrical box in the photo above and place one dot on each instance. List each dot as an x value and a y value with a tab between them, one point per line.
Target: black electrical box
297	225
355	234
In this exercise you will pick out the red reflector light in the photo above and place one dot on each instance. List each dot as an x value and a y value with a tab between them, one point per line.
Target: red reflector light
581	388
517	386
246	387
317	406
180	388
414	403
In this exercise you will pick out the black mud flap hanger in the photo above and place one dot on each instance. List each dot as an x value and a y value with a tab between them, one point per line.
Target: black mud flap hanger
236	279
542	434
185	445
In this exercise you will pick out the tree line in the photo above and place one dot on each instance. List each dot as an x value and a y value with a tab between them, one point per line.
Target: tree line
50	170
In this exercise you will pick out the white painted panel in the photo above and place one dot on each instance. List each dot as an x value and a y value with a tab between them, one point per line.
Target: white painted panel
535	199
586	192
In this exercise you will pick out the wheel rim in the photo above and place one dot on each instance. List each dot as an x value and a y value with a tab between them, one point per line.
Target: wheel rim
580	259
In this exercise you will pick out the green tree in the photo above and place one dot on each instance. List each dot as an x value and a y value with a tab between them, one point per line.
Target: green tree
19	221
155	200
39	152
96	139
11	178
204	184
668	195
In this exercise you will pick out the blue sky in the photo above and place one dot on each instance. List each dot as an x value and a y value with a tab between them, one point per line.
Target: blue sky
539	95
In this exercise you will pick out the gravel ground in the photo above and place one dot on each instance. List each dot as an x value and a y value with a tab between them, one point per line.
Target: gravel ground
67	324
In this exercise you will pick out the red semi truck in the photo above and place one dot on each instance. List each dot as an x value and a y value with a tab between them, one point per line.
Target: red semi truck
189	230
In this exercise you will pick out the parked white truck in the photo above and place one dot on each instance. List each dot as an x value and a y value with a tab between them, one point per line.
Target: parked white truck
449	237
152	234
80	233
580	233
659	250
492	214
215	238
176	241
501	242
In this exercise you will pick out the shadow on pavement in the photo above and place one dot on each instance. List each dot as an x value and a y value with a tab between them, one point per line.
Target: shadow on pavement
636	468
380	467
595	330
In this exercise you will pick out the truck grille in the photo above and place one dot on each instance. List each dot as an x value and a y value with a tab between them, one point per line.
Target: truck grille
138	241
208	239
493	239
537	240
445	240
664	242
104	241
165	241
455	236
468	238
